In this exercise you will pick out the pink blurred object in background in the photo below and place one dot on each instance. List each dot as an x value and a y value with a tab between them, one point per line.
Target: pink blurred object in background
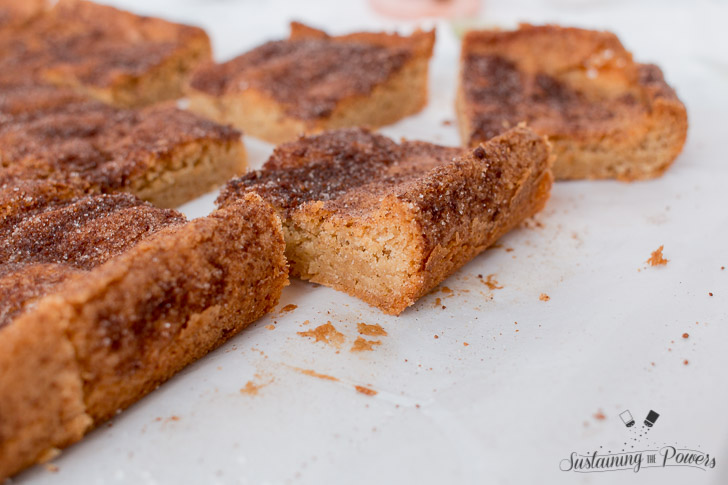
413	9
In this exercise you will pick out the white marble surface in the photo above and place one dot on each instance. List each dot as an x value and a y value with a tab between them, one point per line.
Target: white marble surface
508	407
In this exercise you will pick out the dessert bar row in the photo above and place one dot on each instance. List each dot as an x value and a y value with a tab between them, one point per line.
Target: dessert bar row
103	296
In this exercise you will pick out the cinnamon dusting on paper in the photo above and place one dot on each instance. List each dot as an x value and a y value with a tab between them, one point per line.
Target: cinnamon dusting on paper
251	388
313	373
600	415
365	390
371	330
326	333
362	344
656	258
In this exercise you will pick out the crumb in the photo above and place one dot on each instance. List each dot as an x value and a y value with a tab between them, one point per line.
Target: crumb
362	344
446	290
306	322
312	373
365	390
288	308
652	364
326	333
465	344
508	250
685	362
438	302
251	388
544	297
656	258
371	330
436	336
722	267
600	415
444	307
686	335
270	326
710	294
491	282
51	467
446	122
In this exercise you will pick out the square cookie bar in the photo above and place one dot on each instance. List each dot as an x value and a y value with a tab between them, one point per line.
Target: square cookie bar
104	297
159	153
313	82
605	115
100	51
387	222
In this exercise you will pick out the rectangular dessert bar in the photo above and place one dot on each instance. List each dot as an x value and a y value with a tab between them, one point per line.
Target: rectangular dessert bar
159	153
104	297
387	222
100	51
313	82
605	115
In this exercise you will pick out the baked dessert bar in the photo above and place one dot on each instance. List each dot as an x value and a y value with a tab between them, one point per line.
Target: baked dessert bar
14	12
313	82
387	222
103	297
605	115
109	54
159	153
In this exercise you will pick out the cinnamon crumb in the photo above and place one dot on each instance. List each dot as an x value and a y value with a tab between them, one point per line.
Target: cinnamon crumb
288	308
306	322
656	258
438	302
710	294
270	326
251	388
491	282
326	333
685	362
436	336
312	373
686	335
51	467
652	364
371	330
544	297
465	344
600	415
362	344
174	418
365	390
446	122
446	290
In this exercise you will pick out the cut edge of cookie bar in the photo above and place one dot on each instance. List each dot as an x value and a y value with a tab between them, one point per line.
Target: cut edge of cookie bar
258	114
190	170
637	146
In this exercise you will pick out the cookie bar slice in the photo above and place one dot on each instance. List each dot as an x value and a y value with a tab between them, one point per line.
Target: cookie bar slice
104	297
605	115
160	153
387	222
313	82
107	53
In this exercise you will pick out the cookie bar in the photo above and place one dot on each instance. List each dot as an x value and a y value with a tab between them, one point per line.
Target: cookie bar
100	51
387	222
104	297
159	153
605	115
313	82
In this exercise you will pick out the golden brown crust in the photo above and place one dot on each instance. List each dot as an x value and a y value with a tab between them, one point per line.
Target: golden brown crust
160	153
605	115
353	203
313	81
110	54
129	308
